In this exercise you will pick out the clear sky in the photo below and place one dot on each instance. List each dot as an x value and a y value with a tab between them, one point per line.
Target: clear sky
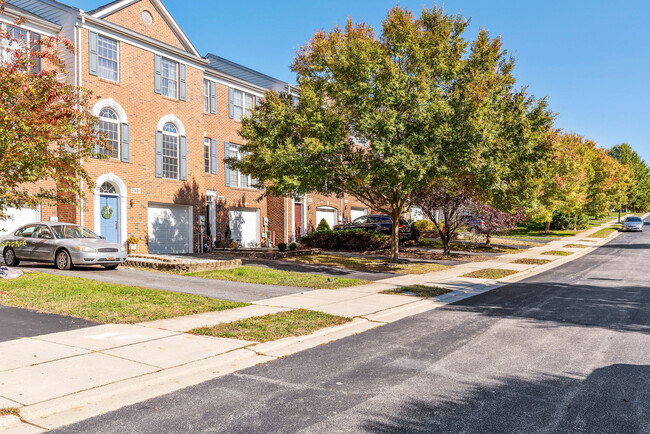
591	58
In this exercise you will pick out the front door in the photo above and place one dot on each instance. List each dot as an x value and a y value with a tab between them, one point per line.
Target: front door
297	219
109	210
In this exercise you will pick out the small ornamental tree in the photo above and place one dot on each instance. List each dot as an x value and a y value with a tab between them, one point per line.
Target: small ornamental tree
323	226
495	221
46	129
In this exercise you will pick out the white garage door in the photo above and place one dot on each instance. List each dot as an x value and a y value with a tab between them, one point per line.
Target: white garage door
357	212
329	214
17	218
245	226
170	229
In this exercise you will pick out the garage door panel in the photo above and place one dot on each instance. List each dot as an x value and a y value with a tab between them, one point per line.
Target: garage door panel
330	216
355	213
244	226
169	229
18	217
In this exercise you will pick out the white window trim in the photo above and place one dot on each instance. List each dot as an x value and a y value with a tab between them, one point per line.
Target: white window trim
121	119
118	57
235	147
177	79
177	136
207	143
119	132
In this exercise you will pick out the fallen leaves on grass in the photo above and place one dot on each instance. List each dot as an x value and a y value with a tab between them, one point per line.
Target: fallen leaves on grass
557	253
531	261
490	273
418	291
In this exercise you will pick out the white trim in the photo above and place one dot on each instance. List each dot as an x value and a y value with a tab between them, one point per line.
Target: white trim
121	193
174	120
110	103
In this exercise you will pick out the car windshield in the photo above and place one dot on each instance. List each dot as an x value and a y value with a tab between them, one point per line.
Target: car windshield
360	220
73	231
633	219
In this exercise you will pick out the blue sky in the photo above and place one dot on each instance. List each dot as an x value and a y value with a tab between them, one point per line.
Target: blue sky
590	57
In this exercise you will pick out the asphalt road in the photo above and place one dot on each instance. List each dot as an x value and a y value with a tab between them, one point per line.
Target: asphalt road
565	351
18	323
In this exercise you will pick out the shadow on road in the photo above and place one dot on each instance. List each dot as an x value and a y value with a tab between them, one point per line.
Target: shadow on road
615	398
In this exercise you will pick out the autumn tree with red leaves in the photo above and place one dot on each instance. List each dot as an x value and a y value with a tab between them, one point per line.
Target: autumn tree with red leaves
46	129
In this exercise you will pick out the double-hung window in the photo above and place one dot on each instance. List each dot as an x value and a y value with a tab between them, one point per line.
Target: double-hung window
19	39
243	103
169	78
206	96
238	179
110	126
107	58
170	160
18	36
206	154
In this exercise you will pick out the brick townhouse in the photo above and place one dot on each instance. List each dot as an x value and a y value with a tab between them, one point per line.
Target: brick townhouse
172	116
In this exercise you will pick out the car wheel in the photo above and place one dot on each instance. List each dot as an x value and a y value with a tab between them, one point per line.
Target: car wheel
62	260
10	258
110	267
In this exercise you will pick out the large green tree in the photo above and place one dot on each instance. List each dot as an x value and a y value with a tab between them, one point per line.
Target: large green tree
45	127
638	193
381	116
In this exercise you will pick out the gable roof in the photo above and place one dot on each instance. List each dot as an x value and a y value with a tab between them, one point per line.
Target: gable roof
243	73
117	5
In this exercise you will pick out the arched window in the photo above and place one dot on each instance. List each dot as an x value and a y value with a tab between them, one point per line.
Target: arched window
107	188
170	160
109	124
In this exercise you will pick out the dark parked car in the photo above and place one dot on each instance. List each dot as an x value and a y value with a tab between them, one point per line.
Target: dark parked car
475	224
381	223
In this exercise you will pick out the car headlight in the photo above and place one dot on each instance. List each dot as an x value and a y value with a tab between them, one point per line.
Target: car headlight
86	249
122	249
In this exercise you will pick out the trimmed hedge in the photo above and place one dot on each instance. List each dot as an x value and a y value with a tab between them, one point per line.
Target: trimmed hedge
562	221
356	240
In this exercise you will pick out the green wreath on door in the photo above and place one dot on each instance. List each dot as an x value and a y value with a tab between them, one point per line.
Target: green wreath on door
107	212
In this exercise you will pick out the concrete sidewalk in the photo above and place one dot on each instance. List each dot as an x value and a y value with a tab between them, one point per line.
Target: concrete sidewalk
61	378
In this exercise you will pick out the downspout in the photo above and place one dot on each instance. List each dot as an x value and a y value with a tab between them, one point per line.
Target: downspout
77	83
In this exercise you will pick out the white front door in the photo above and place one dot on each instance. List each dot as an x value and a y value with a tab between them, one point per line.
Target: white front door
245	226
355	213
18	217
329	214
170	229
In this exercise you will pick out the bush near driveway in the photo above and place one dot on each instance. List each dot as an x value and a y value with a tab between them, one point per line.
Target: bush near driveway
102	302
354	240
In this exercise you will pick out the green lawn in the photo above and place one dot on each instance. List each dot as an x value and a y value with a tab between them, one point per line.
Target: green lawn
269	276
274	326
490	273
367	264
536	231
418	291
531	261
102	302
468	247
603	233
557	253
576	246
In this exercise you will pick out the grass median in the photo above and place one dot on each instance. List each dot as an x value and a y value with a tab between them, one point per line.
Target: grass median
269	276
490	273
102	302
368	264
603	233
557	253
273	326
531	261
418	291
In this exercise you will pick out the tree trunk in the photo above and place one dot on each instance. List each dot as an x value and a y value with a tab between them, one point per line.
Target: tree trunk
445	237
548	227
488	240
394	242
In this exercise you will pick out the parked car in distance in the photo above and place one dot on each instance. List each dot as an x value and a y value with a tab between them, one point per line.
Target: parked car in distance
632	223
383	224
475	224
66	245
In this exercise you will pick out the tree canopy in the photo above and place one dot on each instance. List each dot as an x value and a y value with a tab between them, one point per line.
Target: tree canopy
379	116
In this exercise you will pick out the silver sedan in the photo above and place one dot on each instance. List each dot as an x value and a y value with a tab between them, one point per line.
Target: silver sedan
66	245
632	223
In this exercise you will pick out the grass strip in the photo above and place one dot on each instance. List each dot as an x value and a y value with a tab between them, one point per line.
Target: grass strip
490	273
557	253
273	326
368	264
468	247
576	246
603	233
10	412
418	291
531	261
269	276
102	302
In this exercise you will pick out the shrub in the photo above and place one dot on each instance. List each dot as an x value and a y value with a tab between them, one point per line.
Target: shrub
323	226
423	225
292	246
562	221
352	240
282	247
